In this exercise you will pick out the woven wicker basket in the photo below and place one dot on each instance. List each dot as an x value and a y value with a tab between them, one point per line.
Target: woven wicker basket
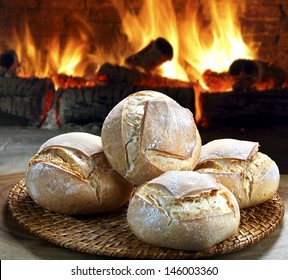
110	235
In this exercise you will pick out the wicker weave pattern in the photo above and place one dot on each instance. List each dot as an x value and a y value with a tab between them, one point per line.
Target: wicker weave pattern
110	235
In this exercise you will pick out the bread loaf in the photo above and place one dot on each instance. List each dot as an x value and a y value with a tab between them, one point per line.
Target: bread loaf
71	175
183	210
250	175
149	133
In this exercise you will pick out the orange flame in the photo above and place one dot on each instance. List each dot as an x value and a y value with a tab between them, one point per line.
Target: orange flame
52	59
196	48
219	44
155	19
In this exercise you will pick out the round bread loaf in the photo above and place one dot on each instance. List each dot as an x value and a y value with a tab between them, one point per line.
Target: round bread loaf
251	176
183	210
149	133
71	175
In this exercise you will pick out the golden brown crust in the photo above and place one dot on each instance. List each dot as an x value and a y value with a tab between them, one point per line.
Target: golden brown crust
161	129
85	142
183	210
228	148
109	144
59	190
149	133
68	180
251	176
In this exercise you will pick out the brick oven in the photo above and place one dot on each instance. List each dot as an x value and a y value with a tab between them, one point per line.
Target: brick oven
99	30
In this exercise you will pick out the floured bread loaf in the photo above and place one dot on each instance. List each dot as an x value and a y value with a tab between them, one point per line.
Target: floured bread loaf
71	175
251	176
183	210
149	133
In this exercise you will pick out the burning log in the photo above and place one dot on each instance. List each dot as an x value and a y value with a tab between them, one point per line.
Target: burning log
9	64
192	73
92	104
152	56
27	100
258	108
254	74
64	81
217	82
111	74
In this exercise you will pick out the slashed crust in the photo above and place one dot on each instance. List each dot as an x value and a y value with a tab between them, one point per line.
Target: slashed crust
250	175
149	133
183	210
68	180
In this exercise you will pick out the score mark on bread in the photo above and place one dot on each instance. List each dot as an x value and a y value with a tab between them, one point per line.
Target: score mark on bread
71	175
148	133
183	210
250	175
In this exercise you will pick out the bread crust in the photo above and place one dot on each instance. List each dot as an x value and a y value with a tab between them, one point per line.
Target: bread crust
183	210
87	143
74	177
149	133
250	175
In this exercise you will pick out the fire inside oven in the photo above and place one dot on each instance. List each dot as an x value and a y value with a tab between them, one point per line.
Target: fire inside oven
220	59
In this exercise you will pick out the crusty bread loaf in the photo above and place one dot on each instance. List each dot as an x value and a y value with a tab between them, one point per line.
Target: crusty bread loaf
71	175
251	176
149	133
183	210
